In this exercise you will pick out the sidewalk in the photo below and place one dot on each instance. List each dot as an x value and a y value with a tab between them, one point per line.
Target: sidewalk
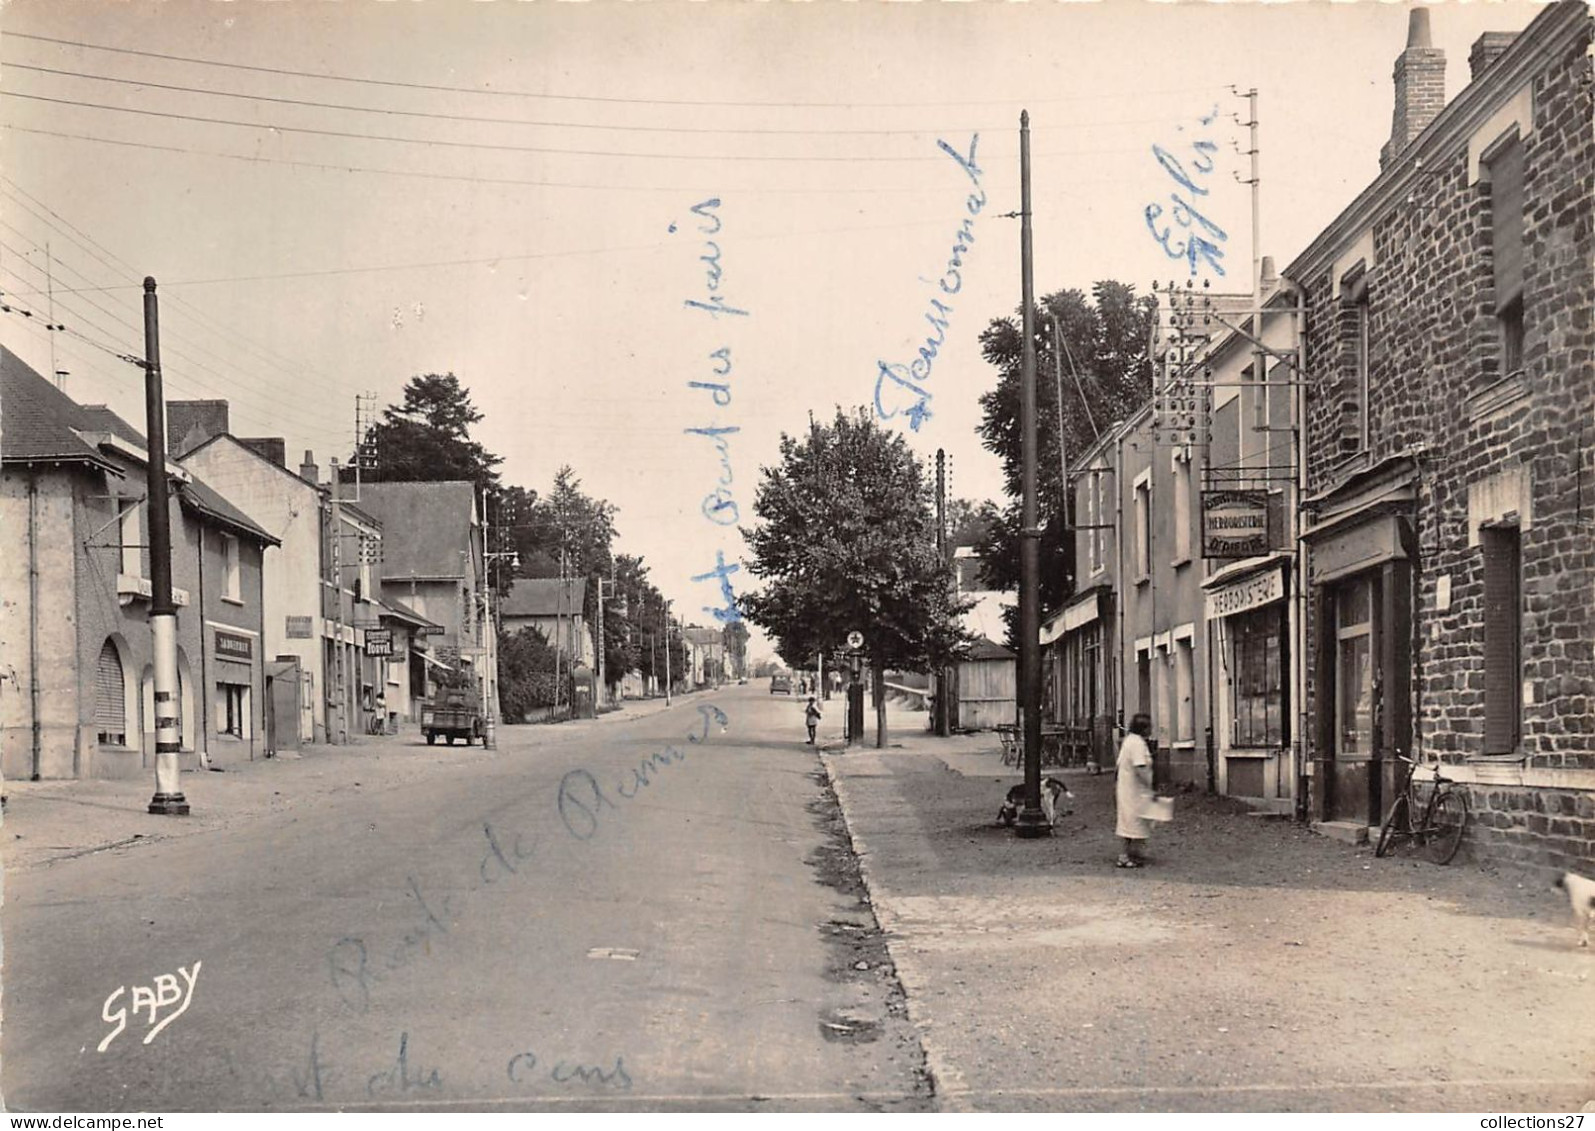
55	820
1253	966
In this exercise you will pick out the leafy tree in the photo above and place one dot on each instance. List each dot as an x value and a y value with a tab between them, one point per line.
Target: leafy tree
526	673
427	436
847	540
1103	375
735	636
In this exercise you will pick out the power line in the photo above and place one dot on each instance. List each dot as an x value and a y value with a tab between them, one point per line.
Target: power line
606	99
495	259
463	178
89	244
235	389
501	147
438	115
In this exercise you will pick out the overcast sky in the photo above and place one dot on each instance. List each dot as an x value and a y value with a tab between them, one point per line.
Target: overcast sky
330	236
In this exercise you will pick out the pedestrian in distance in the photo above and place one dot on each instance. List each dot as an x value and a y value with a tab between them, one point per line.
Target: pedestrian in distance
811	716
1133	792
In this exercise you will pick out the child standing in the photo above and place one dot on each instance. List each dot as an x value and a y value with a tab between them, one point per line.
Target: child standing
811	716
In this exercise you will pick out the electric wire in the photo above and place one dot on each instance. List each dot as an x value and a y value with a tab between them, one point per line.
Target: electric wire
606	99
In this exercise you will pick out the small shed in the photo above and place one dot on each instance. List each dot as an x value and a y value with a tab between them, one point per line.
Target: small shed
988	683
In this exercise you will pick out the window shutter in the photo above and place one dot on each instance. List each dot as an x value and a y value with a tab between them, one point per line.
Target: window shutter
1506	217
110	716
1502	641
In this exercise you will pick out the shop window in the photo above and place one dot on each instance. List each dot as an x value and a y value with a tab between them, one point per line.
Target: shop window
1506	249
1354	670
1184	691
232	709
232	585
1257	682
1503	640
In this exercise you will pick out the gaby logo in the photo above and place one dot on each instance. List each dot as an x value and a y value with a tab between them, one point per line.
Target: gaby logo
164	992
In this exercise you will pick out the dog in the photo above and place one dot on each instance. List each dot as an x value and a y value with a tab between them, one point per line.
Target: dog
1053	795
1581	894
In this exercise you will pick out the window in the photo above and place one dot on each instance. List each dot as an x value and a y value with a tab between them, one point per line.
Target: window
1258	680
1184	691
1143	681
110	698
1503	644
1356	321
232	588
1354	675
1093	519
1143	527
232	709
1182	505
1506	249
131	542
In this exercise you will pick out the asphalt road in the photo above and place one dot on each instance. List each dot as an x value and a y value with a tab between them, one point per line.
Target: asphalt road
643	914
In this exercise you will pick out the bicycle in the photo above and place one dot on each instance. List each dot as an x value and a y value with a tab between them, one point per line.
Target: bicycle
1440	817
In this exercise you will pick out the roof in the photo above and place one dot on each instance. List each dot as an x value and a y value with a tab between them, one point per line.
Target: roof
544	597
200	499
41	423
425	525
399	611
987	649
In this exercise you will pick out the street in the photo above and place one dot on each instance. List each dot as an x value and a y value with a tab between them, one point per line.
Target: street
659	933
662	910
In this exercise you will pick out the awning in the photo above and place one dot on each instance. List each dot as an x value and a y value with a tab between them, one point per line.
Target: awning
439	664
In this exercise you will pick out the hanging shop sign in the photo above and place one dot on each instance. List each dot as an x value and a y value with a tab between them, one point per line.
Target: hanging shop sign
379	642
1239	524
301	628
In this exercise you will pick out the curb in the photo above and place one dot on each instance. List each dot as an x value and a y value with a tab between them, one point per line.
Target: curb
947	1083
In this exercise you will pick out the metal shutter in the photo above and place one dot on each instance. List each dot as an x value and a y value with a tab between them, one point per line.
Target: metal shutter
1502	641
110	716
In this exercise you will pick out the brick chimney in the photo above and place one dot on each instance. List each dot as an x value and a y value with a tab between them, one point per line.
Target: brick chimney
190	423
1486	49
1420	87
307	470
274	448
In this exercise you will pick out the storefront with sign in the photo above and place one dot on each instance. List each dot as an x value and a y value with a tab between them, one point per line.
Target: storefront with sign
1250	618
233	669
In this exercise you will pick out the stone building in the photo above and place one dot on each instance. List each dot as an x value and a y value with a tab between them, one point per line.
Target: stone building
75	644
1450	459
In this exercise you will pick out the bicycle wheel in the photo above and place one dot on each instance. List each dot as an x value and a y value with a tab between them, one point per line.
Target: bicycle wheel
1397	826
1448	816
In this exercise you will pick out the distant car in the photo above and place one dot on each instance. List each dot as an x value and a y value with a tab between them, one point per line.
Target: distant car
781	684
741	681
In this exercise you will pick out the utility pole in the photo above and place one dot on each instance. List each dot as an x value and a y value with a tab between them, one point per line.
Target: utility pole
1032	822
338	683
667	652
939	723
489	639
168	800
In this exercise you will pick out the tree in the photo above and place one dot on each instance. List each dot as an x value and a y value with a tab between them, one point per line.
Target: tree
846	541
427	436
1103	375
735	638
526	673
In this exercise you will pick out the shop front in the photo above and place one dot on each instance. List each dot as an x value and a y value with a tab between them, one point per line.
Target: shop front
235	691
1360	573
1248	606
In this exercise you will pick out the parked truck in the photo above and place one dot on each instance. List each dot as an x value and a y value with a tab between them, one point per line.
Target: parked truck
455	714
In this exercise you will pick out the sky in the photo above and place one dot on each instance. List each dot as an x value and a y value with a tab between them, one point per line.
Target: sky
582	209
